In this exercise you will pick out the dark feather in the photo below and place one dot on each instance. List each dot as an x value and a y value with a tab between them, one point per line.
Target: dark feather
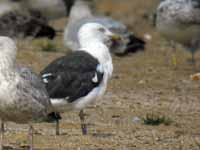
15	24
71	76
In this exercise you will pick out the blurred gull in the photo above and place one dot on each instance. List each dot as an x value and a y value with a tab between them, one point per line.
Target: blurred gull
18	24
179	21
17	21
50	9
23	98
78	79
8	6
81	13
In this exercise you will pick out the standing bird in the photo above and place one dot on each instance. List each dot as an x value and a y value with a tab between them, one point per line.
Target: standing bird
179	21
128	43
23	97
76	80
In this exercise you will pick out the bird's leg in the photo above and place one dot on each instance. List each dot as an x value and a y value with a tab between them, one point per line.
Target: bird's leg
83	125
31	137
193	61
2	134
57	127
174	60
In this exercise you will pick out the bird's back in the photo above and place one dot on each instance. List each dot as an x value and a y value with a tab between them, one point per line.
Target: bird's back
179	20
26	99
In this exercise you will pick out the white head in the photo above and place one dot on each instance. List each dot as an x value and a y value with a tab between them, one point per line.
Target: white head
95	32
96	39
8	50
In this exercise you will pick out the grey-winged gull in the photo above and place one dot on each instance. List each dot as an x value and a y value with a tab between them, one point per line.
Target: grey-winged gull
78	79
8	6
179	21
81	13
50	9
23	97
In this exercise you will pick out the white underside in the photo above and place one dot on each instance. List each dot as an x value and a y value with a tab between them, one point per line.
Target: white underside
62	105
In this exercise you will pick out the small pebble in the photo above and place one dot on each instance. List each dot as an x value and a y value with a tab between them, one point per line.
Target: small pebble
147	37
142	82
136	120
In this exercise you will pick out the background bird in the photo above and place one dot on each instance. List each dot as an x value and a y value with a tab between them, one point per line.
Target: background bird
179	21
23	97
17	21
128	43
50	9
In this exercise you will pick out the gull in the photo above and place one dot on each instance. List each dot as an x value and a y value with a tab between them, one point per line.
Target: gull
17	22
8	6
50	9
80	78
179	21
81	13
23	97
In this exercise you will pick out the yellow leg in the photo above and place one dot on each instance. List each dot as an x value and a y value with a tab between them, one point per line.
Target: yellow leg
174	60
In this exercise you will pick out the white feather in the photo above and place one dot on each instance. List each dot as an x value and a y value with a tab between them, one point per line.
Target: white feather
95	79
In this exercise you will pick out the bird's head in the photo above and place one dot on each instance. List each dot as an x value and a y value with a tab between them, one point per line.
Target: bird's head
98	33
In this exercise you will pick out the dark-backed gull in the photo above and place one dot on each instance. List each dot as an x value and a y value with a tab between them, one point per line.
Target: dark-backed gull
20	24
179	21
81	13
76	80
23	97
16	21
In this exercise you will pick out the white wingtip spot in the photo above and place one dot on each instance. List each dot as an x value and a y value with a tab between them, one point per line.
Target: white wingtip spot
95	79
45	80
66	98
46	75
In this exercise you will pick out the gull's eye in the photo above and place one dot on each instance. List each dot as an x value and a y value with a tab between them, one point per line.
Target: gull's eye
102	30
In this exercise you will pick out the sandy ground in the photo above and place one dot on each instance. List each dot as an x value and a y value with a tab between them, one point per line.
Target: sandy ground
143	83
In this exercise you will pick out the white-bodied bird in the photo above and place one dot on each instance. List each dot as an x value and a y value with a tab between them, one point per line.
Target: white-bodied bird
179	21
23	97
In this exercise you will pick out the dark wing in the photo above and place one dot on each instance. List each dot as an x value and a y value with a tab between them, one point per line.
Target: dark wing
72	76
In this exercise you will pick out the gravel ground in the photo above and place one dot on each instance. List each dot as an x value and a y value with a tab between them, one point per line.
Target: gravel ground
144	84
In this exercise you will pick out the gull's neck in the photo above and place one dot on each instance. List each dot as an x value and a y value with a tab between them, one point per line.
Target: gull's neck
99	51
